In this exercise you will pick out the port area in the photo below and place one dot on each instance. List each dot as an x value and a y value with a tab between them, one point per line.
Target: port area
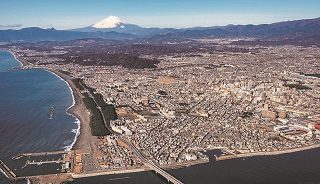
55	167
64	166
40	167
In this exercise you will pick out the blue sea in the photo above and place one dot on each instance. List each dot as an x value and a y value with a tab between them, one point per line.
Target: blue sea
26	101
27	97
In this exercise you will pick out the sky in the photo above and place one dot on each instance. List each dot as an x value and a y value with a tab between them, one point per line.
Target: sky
68	14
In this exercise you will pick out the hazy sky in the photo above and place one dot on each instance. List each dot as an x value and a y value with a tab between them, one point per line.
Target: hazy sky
65	14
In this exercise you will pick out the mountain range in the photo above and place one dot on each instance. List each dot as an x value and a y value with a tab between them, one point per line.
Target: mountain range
114	28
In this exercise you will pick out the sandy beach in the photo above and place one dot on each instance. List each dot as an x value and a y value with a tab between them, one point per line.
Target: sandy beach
85	140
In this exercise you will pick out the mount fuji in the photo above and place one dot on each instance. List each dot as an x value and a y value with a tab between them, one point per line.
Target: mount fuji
114	23
115	28
110	22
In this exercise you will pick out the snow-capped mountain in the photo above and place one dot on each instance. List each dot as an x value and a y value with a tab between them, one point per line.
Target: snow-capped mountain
110	22
115	28
114	23
288	29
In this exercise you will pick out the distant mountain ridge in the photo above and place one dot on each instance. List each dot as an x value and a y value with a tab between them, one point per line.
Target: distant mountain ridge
284	30
35	34
115	28
280	30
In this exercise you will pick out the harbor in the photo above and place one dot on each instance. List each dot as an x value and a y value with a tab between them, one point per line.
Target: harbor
61	166
36	165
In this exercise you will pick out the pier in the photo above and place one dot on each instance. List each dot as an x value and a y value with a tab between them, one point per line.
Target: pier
39	154
43	162
45	153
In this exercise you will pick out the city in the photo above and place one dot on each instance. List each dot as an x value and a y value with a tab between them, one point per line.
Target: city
260	101
140	92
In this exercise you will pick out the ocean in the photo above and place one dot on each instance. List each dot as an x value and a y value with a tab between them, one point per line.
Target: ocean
26	101
27	97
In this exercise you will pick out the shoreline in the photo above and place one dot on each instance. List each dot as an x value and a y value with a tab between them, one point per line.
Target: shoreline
23	63
292	150
75	98
272	153
77	110
68	111
82	115
85	141
101	173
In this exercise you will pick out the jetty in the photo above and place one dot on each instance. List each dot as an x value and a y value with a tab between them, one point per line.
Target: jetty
8	172
39	154
43	162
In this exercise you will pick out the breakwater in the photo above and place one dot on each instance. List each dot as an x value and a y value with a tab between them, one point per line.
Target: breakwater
8	172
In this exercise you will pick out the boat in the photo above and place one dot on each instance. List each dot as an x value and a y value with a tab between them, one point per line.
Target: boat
53	110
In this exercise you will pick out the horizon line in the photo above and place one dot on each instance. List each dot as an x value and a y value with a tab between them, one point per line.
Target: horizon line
12	27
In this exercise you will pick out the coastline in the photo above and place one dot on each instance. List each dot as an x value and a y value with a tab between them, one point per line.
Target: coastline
77	176
23	63
83	139
74	114
293	150
76	110
272	153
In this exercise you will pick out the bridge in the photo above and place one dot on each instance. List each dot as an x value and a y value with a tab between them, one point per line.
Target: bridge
150	163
